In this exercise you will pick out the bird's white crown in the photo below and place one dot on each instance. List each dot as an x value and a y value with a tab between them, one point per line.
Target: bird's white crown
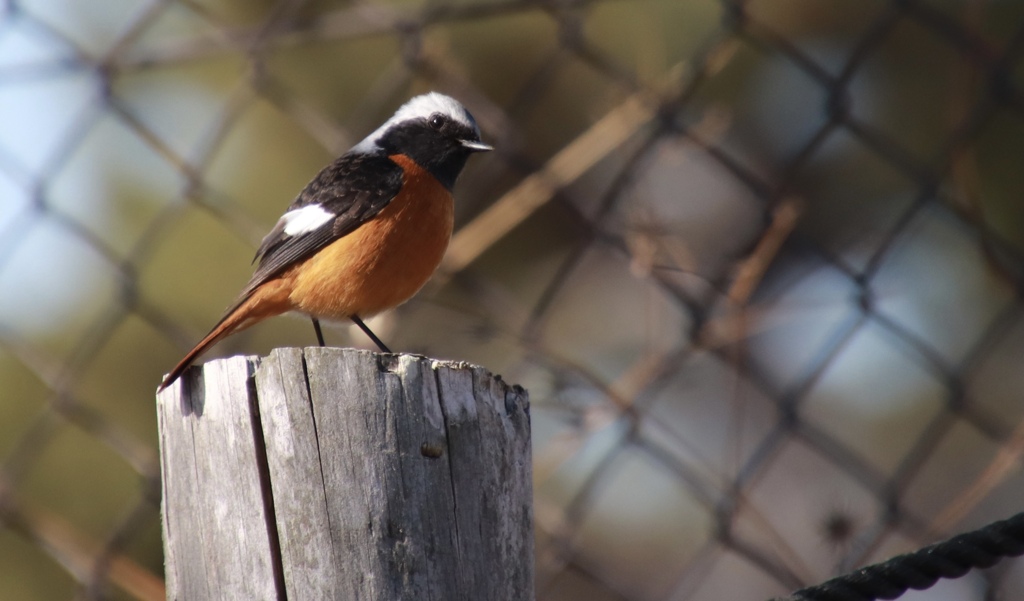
420	107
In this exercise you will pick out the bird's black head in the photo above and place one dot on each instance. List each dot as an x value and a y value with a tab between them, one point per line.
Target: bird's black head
435	131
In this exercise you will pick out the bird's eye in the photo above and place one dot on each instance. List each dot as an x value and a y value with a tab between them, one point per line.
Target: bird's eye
437	121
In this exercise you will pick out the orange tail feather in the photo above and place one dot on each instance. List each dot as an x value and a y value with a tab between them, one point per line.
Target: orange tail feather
268	300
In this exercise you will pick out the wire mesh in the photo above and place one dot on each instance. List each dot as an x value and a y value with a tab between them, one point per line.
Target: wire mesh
759	264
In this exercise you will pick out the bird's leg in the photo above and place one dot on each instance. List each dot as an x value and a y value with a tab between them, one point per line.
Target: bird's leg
369	332
319	332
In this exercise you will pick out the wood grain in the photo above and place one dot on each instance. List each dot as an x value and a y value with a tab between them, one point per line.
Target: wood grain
214	523
386	477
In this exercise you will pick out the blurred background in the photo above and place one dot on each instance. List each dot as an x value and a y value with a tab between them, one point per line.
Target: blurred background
759	263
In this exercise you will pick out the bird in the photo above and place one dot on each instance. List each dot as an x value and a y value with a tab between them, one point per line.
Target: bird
367	232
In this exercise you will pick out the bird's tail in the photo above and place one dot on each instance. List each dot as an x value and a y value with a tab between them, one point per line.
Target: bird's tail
268	300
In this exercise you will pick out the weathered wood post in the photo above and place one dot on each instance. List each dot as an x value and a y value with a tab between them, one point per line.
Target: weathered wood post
345	474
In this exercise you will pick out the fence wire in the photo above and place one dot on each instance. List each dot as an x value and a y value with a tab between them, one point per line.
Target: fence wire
759	264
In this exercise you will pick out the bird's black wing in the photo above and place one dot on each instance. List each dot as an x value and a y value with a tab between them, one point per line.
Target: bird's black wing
354	189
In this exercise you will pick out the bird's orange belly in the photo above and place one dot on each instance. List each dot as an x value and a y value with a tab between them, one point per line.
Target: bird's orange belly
385	261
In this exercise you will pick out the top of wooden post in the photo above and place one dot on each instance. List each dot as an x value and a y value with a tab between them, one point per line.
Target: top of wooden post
346	474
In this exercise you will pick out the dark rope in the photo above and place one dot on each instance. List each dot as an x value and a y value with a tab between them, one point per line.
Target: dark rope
921	569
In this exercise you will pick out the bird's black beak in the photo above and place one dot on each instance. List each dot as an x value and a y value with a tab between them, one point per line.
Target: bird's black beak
475	146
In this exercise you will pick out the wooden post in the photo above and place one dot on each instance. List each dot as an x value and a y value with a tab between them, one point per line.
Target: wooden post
345	474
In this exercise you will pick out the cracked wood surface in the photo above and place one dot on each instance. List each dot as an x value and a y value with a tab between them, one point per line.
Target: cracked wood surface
325	473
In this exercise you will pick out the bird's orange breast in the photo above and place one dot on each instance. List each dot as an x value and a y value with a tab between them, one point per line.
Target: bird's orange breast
385	261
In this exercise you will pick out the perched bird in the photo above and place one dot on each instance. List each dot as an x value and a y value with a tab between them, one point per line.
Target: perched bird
368	232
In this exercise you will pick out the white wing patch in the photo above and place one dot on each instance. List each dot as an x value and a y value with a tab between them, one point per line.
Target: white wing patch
305	219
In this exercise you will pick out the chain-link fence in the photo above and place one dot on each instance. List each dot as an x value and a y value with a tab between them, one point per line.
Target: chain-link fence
758	263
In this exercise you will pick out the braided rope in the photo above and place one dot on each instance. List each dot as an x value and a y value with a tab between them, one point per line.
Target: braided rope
921	569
